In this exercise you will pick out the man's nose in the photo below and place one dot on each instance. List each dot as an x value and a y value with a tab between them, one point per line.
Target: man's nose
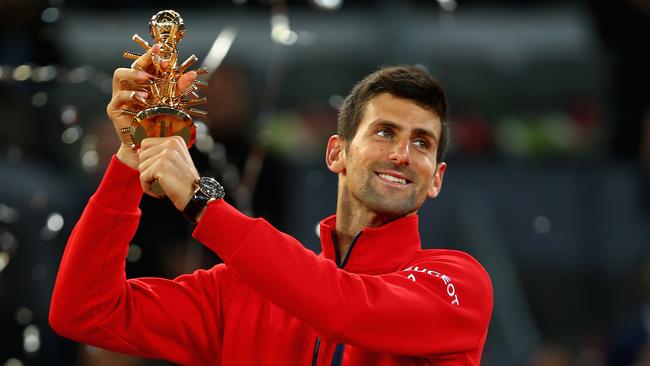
400	154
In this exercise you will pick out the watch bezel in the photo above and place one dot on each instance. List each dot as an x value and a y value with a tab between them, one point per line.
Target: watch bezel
210	187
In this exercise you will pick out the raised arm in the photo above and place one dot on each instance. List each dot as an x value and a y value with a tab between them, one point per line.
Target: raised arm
94	303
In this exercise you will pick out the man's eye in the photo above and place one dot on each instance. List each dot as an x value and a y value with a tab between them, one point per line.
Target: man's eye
421	143
383	133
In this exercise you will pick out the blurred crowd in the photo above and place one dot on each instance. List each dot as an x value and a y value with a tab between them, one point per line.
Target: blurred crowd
55	143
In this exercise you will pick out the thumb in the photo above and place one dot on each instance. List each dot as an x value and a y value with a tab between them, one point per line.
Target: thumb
186	80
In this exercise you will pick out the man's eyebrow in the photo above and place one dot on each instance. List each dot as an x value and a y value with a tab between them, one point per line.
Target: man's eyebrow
426	133
386	123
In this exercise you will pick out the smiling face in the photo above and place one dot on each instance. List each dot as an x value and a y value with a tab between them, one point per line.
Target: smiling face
389	168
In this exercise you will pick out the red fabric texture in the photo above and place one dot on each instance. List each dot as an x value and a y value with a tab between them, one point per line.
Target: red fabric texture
391	304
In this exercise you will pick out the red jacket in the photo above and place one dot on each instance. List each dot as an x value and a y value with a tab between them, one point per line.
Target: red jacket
273	302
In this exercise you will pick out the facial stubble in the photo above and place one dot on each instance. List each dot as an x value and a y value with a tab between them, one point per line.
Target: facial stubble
369	194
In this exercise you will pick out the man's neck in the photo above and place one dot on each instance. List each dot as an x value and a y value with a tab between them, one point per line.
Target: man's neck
350	220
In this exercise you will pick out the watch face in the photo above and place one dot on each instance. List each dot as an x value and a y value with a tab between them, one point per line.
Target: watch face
210	187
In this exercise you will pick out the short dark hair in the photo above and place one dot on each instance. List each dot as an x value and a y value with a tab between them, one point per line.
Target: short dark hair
408	82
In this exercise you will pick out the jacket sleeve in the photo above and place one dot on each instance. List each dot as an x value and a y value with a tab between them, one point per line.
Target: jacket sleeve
94	303
438	306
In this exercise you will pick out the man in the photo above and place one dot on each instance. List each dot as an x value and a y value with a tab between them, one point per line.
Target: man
372	297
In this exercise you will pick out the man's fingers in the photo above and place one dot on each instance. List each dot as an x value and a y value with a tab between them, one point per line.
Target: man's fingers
186	81
145	162
146	178
147	155
152	142
173	146
149	173
127	97
122	73
137	72
143	62
171	140
123	98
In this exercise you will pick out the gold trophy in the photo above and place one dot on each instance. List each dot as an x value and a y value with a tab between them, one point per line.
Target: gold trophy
166	111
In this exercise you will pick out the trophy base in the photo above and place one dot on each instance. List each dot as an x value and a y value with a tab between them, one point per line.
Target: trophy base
163	121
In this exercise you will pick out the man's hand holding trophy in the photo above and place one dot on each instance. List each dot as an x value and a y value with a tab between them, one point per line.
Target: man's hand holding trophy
152	106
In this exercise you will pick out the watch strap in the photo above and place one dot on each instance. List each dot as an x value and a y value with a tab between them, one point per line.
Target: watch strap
195	206
200	199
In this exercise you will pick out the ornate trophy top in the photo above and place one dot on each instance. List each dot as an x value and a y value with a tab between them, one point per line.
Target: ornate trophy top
167	23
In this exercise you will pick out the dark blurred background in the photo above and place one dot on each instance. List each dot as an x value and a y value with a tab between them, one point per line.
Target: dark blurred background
548	182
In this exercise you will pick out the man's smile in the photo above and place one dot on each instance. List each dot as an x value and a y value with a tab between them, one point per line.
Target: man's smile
393	178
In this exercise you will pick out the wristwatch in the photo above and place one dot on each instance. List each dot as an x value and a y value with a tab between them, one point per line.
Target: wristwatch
207	189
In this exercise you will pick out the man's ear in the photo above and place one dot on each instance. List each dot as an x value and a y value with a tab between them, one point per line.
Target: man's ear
335	154
436	183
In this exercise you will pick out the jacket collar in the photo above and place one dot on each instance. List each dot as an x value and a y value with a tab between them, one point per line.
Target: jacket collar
375	250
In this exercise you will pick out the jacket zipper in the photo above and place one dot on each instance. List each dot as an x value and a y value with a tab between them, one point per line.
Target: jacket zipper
340	264
314	358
